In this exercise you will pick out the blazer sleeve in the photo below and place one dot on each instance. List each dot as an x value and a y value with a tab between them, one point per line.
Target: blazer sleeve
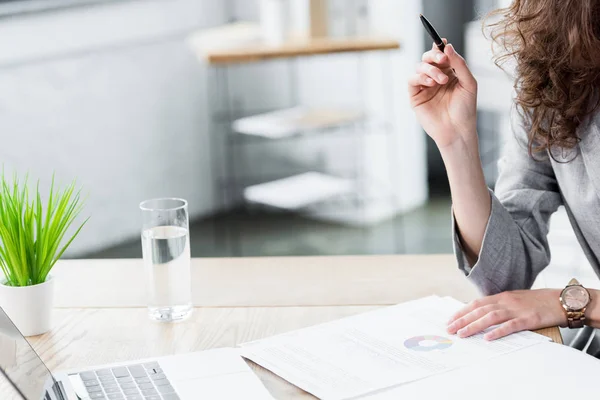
515	246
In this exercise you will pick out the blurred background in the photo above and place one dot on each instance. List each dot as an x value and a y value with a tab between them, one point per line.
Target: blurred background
308	154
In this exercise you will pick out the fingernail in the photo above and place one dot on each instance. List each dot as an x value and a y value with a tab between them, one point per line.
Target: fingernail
487	336
439	57
442	77
429	80
461	332
450	49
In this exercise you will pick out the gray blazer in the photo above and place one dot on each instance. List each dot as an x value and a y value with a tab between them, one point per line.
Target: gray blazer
515	246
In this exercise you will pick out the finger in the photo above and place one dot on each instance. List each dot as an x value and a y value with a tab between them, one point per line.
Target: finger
417	82
465	77
494	317
435	45
472	306
470	317
421	80
433	72
435	57
507	328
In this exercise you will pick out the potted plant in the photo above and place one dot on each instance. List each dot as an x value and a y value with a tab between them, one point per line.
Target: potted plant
31	241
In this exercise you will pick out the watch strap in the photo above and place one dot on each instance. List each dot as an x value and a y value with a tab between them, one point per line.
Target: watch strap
576	319
574	282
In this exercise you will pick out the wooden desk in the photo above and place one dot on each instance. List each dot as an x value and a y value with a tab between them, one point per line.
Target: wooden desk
100	314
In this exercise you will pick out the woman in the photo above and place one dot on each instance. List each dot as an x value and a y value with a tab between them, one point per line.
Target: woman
552	160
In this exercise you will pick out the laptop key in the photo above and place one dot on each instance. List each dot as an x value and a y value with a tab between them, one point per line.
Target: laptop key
142	380
104	372
112	390
97	395
87	376
91	383
135	397
120	372
170	396
137	371
157	397
162	382
165	389
151	365
112	384
92	389
115	396
157	377
144	386
153	371
106	378
125	379
149	392
131	391
128	385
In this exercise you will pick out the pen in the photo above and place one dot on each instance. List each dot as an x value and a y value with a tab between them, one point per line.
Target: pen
432	32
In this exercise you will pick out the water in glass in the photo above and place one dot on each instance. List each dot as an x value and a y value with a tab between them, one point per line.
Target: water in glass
167	262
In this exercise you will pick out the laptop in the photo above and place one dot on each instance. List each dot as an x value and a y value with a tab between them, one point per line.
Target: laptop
214	374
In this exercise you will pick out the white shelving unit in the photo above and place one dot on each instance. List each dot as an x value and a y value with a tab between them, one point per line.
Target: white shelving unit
299	191
285	123
224	47
378	151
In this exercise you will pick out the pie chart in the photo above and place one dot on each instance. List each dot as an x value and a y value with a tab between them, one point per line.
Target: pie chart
427	343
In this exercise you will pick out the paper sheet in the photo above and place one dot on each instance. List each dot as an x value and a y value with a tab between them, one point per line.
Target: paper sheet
376	350
543	371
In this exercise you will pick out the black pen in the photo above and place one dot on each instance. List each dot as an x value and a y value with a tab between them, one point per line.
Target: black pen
432	32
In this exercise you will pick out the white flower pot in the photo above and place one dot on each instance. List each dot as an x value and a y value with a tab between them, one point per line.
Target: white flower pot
29	307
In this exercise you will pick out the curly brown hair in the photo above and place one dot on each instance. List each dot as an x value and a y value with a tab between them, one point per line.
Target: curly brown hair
556	47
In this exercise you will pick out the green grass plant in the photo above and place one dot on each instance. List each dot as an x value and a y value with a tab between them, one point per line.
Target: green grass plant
32	233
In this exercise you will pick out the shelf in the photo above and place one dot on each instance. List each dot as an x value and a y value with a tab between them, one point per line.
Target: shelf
285	123
299	191
241	43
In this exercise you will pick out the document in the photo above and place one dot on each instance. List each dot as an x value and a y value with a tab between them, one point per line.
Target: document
362	354
536	372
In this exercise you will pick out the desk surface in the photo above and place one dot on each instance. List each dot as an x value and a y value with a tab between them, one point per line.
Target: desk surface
100	314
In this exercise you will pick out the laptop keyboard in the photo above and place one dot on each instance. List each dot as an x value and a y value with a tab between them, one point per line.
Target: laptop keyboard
131	382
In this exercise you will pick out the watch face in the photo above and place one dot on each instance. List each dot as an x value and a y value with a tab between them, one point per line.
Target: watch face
575	297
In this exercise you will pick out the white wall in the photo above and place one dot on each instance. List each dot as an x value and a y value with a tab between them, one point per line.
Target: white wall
112	96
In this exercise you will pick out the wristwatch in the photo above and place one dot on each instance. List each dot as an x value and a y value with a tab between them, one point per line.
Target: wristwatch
574	299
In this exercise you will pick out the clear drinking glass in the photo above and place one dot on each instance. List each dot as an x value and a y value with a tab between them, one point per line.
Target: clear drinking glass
166	250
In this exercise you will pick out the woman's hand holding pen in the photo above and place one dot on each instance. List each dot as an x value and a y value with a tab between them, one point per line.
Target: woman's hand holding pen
443	94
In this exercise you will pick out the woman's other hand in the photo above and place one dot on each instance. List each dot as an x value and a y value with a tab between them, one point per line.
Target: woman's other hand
512	311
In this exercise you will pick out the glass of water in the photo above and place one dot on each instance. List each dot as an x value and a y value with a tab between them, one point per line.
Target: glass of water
166	250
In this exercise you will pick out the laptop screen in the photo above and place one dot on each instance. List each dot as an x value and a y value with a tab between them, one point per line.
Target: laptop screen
21	365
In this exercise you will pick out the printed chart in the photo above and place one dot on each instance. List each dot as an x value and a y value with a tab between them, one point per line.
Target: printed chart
427	343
